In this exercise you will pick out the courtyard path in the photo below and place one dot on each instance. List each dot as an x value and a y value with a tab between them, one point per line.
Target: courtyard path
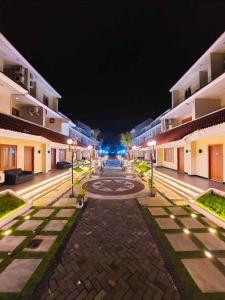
110	255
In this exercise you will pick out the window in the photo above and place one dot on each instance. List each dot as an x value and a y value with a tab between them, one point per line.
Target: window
45	100
169	154
15	112
62	154
7	157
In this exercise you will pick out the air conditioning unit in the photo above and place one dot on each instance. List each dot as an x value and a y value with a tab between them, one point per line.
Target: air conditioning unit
19	78
19	74
34	111
18	69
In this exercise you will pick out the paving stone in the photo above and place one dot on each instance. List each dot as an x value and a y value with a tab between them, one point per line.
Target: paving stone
29	225
45	245
16	274
43	213
67	212
157	211
167	223
65	202
205	274
211	241
181	242
55	225
222	260
178	211
10	224
191	223
154	201
209	222
110	249
10	242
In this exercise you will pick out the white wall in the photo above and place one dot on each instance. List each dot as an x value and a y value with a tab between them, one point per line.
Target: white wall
5	101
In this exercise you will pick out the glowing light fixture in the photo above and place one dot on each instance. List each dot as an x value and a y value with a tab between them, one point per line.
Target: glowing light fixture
7	232
70	142
27	218
90	147
212	230
172	216
185	230
208	254
194	215
152	143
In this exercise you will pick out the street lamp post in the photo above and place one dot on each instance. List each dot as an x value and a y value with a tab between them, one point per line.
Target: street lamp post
71	144
90	147
152	144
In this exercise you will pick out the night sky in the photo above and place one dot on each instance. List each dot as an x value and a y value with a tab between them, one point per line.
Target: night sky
113	62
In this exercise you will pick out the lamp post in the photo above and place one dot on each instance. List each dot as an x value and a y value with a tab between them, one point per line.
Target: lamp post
152	144
90	147
71	144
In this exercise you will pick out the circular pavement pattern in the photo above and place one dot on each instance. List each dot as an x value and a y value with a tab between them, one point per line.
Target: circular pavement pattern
113	186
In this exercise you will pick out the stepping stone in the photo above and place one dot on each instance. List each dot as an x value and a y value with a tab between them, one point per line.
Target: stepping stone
44	213
191	223
181	242
67	212
167	223
55	225
45	245
211	241
29	225
16	275
157	211
154	201
65	202
8	225
10	242
209	222
222	260
178	211
207	277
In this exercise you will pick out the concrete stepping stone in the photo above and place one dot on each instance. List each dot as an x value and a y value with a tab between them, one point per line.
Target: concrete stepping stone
157	211
16	275
207	277
8	225
167	223
181	242
55	225
191	223
211	241
209	222
66	212
10	242
65	202
45	244
43	213
29	225
178	211
154	201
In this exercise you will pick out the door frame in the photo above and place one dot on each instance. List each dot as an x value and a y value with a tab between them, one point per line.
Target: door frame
32	163
209	162
178	159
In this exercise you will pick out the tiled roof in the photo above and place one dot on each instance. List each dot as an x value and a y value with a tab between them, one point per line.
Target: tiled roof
185	129
15	124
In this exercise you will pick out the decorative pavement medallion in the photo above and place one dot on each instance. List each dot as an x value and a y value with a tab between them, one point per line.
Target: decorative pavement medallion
113	186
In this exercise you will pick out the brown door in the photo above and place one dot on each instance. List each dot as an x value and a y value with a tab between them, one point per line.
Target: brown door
53	158
180	160
216	162
28	158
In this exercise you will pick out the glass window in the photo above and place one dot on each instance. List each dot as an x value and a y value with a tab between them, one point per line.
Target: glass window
7	157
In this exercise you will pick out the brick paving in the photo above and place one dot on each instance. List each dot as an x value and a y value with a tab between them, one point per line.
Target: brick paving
110	255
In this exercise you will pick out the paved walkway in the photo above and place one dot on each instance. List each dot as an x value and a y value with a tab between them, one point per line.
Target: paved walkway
110	255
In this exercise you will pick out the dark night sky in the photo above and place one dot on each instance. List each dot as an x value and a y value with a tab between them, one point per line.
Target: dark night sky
112	61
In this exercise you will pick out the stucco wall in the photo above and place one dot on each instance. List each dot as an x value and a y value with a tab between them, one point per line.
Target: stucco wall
5	101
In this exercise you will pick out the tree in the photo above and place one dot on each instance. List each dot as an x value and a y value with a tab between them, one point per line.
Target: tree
95	133
126	140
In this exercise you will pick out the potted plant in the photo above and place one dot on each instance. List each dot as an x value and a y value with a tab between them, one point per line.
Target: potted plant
80	198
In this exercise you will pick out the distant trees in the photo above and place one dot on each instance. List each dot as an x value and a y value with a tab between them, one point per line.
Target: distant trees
126	140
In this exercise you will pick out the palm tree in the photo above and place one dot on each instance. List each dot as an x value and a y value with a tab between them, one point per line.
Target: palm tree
95	133
126	140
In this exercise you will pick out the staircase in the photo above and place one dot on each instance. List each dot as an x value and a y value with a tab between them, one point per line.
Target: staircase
176	190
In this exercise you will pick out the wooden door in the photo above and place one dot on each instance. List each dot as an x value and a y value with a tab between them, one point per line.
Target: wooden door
216	162
180	160
28	158
53	158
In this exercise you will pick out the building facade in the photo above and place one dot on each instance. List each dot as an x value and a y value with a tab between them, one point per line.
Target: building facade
192	138
33	133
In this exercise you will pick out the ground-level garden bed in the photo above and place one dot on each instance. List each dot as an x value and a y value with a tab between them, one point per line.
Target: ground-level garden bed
9	203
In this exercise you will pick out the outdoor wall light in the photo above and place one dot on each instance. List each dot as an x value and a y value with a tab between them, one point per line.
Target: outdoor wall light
186	150
39	151
199	151
48	151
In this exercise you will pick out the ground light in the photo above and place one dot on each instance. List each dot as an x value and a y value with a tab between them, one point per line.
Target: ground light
172	216
7	232
212	230
27	217
208	254
194	215
185	230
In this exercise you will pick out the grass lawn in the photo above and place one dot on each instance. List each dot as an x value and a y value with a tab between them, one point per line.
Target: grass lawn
78	170
213	203
8	203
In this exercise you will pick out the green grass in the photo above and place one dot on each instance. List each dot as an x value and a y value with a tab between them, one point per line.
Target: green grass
78	170
8	203
142	166
213	203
